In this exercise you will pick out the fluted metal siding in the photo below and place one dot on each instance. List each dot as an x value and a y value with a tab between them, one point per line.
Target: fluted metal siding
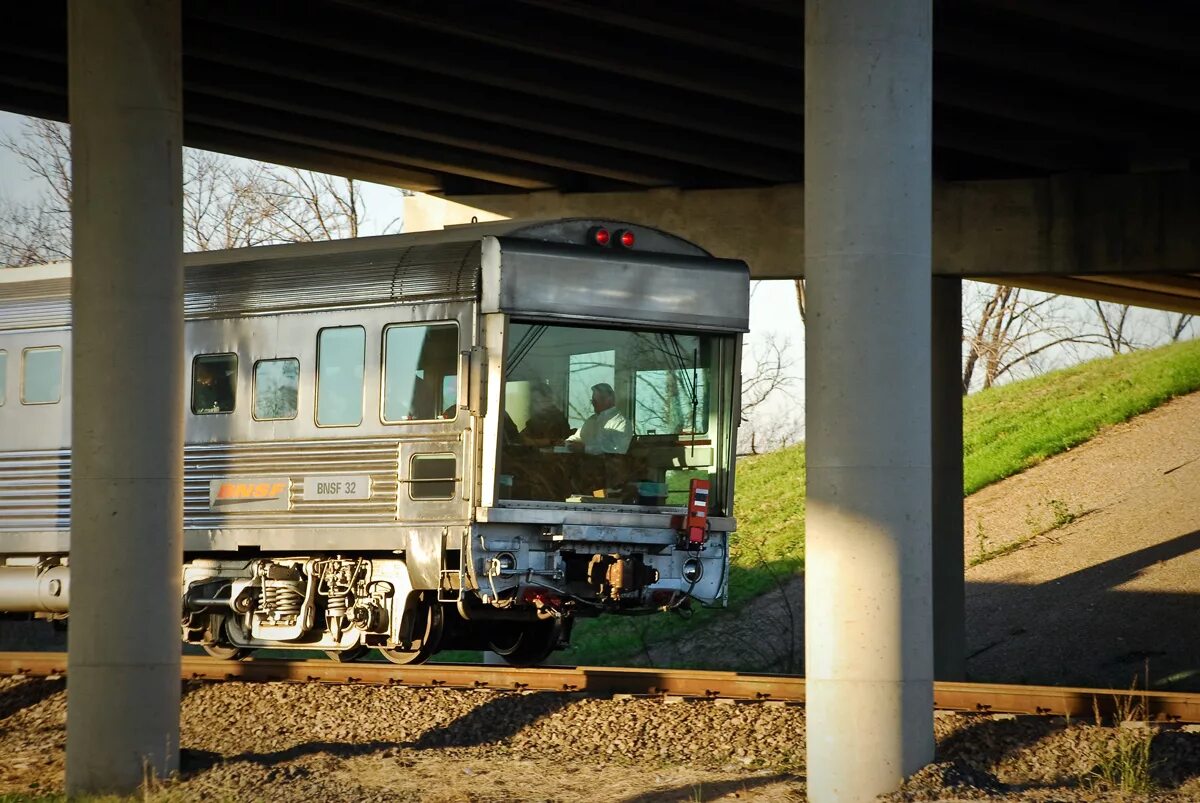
35	490
35	487
426	273
376	457
441	272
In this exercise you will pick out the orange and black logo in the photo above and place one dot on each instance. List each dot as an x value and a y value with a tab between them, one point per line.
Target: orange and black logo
250	494
250	490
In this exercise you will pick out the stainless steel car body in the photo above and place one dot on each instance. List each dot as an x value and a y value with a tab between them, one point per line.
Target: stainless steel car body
251	486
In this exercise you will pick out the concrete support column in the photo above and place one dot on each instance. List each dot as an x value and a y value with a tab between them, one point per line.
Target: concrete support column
949	606
127	412
867	224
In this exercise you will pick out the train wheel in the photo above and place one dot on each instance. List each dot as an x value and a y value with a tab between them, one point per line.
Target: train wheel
425	639
349	656
227	652
525	644
218	629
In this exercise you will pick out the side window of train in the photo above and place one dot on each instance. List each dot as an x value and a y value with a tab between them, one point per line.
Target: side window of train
214	384
3	377
432	476
276	389
420	372
341	359
41	375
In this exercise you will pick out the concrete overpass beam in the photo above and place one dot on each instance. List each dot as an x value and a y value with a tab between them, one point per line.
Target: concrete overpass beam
1018	228
127	425
867	223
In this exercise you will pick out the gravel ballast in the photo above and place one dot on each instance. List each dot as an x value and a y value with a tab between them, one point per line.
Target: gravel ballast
280	741
283	741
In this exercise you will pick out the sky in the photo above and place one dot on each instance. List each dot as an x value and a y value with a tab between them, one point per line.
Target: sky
773	310
774	316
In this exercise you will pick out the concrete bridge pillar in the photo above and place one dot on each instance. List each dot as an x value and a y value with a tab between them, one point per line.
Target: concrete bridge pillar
949	605
127	414
867	223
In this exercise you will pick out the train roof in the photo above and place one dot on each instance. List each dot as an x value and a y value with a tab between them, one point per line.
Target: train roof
399	268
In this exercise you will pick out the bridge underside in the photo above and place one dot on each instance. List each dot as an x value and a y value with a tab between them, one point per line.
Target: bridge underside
464	98
1065	138
1061	141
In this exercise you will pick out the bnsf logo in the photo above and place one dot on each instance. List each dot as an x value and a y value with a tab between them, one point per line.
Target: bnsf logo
250	490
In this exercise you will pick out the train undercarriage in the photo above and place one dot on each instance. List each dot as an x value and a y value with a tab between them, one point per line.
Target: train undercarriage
516	593
348	605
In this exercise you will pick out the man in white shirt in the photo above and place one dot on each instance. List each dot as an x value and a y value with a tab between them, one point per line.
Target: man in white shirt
605	432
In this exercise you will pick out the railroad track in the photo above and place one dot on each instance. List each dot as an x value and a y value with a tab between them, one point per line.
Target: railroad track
677	683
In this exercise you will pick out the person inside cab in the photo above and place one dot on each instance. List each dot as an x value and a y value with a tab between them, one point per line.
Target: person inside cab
547	424
607	431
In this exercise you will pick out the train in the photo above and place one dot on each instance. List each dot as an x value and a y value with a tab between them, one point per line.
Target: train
465	439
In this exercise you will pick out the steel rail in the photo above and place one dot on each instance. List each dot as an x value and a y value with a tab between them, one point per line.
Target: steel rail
987	698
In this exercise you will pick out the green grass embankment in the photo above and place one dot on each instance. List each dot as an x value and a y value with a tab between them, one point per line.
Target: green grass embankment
1010	428
1005	431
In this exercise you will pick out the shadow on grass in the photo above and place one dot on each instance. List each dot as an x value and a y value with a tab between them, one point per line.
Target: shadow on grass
1093	627
984	746
706	791
495	721
28	694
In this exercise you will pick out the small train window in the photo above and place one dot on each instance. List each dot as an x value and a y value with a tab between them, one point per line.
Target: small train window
276	389
42	374
341	358
3	377
420	371
214	384
431	476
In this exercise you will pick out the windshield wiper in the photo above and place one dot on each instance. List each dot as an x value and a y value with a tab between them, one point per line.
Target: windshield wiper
523	347
690	381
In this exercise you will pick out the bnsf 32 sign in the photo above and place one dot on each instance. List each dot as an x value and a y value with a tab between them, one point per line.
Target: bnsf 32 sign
336	486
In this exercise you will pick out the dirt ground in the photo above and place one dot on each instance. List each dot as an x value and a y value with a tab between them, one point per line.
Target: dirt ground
1092	575
1112	593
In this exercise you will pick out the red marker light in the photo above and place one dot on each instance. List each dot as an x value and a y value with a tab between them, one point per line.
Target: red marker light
626	238
601	236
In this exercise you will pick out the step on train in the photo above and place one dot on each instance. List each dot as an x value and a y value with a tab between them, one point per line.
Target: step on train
464	439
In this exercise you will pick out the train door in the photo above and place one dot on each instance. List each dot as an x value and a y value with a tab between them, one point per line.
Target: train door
426	366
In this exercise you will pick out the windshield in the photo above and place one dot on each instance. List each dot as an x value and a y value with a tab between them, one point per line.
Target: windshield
609	416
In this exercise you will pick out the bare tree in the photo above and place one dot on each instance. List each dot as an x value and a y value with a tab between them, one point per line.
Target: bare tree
771	413
31	234
1114	326
227	202
1009	330
44	148
40	231
802	300
316	206
1178	324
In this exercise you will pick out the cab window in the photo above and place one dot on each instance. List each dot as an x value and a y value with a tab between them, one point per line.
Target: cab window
276	389
420	372
214	384
341	358
41	375
583	372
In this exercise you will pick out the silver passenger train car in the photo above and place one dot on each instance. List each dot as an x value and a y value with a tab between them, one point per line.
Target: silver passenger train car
450	440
